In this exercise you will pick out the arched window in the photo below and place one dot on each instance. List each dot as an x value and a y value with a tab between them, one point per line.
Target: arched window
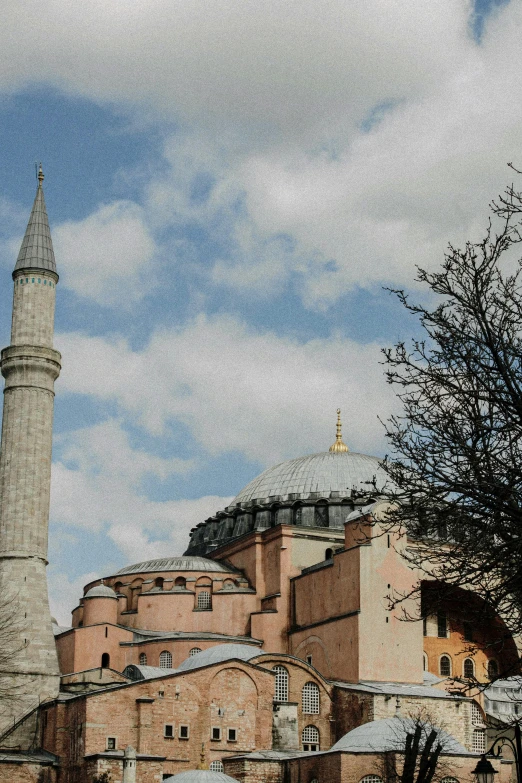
281	684
143	659
371	779
492	669
310	697
204	600
328	555
194	651
321	515
165	660
468	668
216	766
158	583
445	666
117	587
310	738
106	661
180	582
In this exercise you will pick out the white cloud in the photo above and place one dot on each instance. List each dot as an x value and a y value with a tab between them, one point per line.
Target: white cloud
265	396
64	593
107	255
97	484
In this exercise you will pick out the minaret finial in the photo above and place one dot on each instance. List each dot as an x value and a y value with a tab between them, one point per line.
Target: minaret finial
339	447
40	176
202	761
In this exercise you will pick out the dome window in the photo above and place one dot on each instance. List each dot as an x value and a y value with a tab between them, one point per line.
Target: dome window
194	651
310	699
310	738
180	583
281	684
165	660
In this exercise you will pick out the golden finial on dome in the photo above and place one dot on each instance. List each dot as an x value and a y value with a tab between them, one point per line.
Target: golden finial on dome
202	761
339	447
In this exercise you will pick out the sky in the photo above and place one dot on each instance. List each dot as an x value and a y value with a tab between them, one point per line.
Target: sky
231	188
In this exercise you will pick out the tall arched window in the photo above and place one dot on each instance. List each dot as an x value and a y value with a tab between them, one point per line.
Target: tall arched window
216	766
310	698
106	661
281	684
204	600
310	738
468	668
445	666
143	659
165	660
194	651
328	554
492	669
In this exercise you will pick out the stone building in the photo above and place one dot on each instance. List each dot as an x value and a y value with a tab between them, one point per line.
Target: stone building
268	651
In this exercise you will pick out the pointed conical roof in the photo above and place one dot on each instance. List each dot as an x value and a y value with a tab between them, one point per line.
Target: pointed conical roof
37	251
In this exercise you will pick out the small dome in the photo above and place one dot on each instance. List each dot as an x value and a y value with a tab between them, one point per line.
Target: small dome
218	654
380	736
100	591
323	473
200	776
183	563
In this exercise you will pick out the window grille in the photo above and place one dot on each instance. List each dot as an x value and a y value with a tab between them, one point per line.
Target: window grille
492	669
469	668
476	715
321	516
445	666
479	741
194	651
165	660
216	766
143	659
371	779
310	698
281	684
310	738
204	600
442	625
449	780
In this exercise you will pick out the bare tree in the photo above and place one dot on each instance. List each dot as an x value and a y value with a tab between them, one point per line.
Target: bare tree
456	464
417	752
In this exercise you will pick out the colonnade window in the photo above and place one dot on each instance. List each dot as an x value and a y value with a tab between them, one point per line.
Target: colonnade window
492	669
310	738
204	600
165	660
445	666
281	684
143	659
310	698
194	651
468	668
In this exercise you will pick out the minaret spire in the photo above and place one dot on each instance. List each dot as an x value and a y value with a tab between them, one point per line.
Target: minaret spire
339	447
30	366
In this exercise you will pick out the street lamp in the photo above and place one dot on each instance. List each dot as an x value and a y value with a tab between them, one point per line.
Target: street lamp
484	771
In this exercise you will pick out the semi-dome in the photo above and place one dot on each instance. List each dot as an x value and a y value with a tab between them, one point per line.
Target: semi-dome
182	563
200	776
218	654
101	591
322	474
380	736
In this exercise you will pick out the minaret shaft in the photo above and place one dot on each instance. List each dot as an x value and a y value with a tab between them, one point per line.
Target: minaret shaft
30	366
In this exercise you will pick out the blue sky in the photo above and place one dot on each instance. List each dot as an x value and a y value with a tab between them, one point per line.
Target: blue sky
229	187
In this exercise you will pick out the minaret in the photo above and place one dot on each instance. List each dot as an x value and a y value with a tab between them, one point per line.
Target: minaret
30	366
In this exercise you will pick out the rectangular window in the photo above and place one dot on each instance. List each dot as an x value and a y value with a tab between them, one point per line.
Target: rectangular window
184	732
168	731
111	743
232	735
442	625
309	659
215	733
468	632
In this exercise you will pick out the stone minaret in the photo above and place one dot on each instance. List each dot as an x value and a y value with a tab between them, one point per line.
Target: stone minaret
30	366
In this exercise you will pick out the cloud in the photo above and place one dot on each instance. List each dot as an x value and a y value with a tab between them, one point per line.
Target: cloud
106	255
98	485
265	396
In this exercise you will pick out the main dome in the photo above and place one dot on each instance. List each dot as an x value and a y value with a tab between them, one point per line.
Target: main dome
319	490
316	474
